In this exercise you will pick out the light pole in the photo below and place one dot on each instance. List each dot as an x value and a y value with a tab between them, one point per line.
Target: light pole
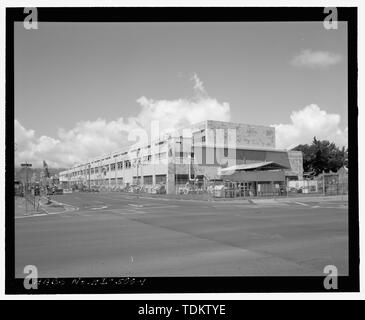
138	163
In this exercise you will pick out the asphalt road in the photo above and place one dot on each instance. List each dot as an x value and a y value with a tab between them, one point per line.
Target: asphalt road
121	235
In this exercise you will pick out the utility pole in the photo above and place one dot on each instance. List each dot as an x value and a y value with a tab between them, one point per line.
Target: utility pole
137	164
115	173
26	188
323	181
26	165
89	167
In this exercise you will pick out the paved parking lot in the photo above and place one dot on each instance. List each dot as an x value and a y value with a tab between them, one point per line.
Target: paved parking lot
114	234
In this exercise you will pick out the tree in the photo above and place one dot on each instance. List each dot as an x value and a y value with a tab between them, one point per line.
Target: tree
322	156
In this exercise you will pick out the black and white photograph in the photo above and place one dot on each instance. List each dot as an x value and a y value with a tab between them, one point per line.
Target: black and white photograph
165	146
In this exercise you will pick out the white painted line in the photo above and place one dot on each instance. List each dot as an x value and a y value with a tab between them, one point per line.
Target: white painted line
135	205
163	207
99	208
132	211
32	216
302	204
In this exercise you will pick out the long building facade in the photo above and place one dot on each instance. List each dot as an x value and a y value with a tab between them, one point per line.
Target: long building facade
196	152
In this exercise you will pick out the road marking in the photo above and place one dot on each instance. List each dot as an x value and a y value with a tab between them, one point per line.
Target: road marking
166	206
135	205
99	208
133	211
31	216
301	203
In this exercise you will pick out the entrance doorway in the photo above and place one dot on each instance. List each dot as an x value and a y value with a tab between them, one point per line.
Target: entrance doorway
246	189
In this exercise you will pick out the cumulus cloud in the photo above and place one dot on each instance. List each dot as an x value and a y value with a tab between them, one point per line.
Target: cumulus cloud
86	139
173	114
309	122
198	85
316	59
90	139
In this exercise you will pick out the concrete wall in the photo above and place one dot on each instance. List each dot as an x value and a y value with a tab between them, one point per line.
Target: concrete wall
268	176
220	157
246	135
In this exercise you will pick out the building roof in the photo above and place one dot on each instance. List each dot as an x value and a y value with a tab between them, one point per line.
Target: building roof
268	165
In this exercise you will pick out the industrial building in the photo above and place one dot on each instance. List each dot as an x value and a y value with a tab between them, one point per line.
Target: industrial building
206	151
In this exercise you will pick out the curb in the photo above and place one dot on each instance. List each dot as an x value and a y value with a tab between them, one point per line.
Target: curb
257	200
67	207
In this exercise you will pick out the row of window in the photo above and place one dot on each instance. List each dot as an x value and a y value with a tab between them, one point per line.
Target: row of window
148	148
147	180
146	159
133	151
127	164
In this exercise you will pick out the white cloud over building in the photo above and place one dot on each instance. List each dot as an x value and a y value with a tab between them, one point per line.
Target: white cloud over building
316	59
309	122
89	139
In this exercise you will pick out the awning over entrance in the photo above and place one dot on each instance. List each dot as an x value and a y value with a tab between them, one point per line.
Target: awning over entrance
259	166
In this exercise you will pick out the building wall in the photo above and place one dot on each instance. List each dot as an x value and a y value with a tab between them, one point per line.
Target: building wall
262	176
211	145
246	135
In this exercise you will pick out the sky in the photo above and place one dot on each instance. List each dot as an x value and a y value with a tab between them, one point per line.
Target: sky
81	88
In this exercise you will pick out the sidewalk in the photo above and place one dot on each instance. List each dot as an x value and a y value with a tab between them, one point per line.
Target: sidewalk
305	198
21	209
42	207
208	197
52	206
